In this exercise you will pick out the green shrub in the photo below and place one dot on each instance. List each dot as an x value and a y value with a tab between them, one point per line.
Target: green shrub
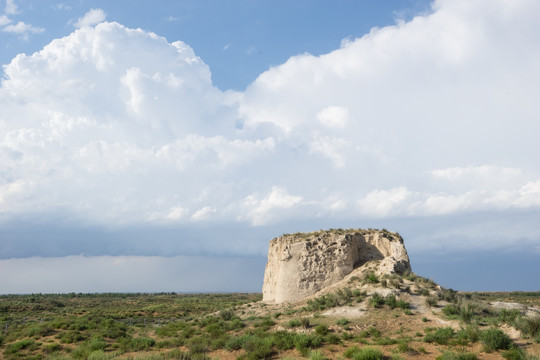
495	339
81	352
440	336
226	314
448	295
349	353
215	330
51	348
514	353
403	347
139	344
342	322
332	339
15	347
317	355
373	332
402	304
113	329
99	355
293	323
72	337
234	343
265	323
508	315
97	343
58	357
283	340
345	295
391	301
371	278
449	355
385	341
467	311
322	329
432	301
469	334
450	310
376	300
305	342
305	323
235	324
366	353
165	344
529	326
257	348
198	345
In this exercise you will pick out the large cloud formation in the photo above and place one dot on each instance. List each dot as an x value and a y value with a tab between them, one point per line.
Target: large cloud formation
435	116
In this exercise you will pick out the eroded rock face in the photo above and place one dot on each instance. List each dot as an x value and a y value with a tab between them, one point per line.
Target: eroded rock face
300	265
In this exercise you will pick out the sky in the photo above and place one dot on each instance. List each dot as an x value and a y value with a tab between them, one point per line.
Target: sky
159	148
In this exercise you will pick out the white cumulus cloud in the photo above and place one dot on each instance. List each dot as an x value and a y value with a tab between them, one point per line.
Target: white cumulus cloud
22	29
11	7
433	116
91	18
4	20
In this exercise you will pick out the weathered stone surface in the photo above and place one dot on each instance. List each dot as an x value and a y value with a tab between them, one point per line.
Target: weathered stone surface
300	265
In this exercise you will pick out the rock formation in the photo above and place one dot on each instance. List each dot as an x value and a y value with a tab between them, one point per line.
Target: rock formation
300	265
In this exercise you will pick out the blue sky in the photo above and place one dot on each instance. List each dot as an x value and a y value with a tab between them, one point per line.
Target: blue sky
167	144
237	39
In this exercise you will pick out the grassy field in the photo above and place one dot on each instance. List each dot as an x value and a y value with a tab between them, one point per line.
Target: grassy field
421	322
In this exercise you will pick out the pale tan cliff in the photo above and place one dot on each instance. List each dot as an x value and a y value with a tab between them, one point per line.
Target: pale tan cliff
300	265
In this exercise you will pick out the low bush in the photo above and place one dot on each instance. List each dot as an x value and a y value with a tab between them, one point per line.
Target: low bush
529	326
450	310
440	336
432	301
293	323
140	344
283	340
71	337
385	341
305	342
470	334
514	353
391	301
97	343
51	348
376	300
508	315
332	339
467	311
365	353
371	278
15	347
495	339
100	355
226	314
257	348
450	355
322	329
265	323
448	295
